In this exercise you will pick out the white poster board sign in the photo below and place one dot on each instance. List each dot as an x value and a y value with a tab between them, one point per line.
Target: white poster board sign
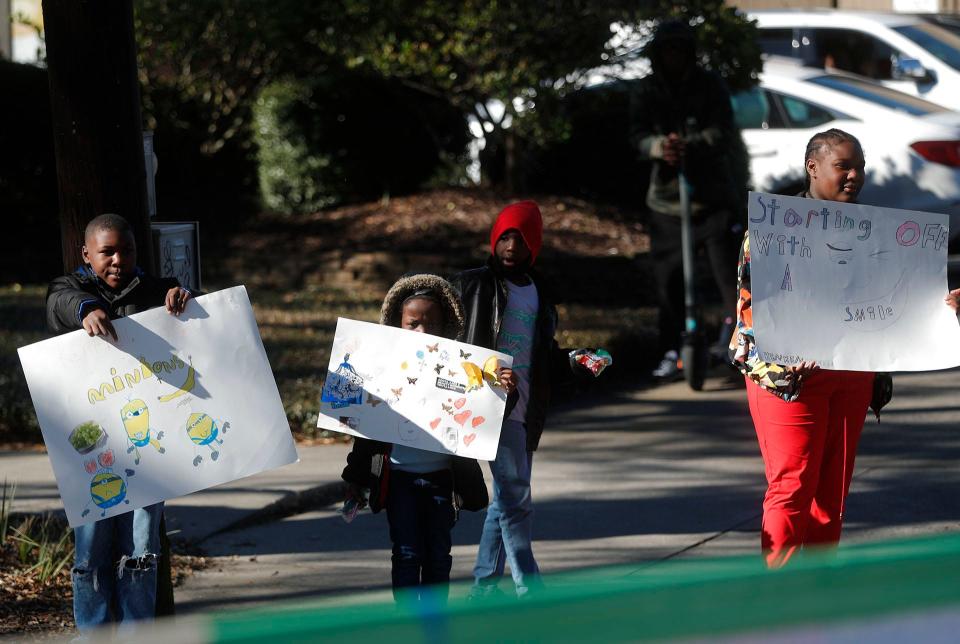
413	389
176	405
850	286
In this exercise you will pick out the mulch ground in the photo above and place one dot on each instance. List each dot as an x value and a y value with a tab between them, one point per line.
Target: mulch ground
40	610
28	606
444	231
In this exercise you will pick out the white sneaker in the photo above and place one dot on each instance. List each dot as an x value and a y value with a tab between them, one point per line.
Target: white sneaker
669	367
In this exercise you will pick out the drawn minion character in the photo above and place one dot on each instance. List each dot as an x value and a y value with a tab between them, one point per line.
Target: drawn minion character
107	488
136	422
204	431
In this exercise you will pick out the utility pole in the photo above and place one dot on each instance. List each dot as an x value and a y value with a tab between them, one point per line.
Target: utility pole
97	128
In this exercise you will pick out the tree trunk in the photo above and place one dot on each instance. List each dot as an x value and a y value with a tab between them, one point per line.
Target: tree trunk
97	128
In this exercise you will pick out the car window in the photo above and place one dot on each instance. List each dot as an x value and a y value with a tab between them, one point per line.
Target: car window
939	42
751	109
802	114
854	51
778	42
878	94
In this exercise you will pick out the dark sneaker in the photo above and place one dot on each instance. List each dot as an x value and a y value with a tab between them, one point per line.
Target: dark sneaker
669	367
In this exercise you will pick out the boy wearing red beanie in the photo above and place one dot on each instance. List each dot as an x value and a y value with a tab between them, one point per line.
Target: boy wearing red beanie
507	308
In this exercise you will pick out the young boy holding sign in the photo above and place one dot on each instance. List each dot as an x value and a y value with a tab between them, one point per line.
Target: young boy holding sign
421	490
115	572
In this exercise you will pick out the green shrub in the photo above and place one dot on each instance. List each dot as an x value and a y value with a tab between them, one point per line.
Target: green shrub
291	174
28	175
347	136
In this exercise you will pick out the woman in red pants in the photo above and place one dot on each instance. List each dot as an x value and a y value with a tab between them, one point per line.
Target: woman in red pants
808	420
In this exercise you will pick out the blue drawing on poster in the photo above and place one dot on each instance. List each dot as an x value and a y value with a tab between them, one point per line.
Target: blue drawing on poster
344	386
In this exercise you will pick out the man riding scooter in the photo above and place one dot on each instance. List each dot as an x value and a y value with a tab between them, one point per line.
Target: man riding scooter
682	122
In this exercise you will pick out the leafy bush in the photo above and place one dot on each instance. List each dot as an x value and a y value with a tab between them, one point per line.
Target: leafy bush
28	175
595	161
22	315
346	136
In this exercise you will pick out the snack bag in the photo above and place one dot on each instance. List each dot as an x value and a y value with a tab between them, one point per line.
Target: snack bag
594	360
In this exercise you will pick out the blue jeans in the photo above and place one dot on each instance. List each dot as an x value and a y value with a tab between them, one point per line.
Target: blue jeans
421	516
508	527
115	572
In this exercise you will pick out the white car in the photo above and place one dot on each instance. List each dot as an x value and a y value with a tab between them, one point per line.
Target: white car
905	52
912	146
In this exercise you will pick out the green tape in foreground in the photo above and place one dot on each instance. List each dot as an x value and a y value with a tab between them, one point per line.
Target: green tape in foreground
675	599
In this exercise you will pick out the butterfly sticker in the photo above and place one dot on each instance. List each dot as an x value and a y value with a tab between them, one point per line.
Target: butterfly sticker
373	401
464	354
447	408
397	392
476	375
444	356
451	372
438	368
432	348
410	381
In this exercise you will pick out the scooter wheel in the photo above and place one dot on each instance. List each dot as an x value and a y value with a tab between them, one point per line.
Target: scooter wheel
694	356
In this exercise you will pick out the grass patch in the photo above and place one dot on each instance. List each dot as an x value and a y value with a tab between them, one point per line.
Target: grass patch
35	555
297	330
22	322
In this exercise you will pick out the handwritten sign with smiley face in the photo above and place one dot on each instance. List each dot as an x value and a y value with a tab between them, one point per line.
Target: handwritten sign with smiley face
850	286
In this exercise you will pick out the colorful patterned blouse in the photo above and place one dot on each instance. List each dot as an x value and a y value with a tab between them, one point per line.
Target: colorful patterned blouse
743	348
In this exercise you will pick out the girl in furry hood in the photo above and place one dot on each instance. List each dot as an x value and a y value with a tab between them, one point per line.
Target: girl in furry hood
422	491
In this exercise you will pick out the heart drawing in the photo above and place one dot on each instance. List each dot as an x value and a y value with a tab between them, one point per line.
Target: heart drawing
462	417
469	439
434	423
477	420
460	402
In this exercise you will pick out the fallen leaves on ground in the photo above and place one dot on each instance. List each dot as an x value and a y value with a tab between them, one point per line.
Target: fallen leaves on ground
29	606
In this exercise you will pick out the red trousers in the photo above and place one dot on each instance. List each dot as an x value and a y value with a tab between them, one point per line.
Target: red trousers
808	449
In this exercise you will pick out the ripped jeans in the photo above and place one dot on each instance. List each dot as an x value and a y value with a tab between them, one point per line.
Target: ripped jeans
420	513
115	572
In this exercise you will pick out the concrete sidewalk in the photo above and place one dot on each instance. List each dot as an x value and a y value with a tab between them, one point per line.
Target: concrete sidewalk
631	477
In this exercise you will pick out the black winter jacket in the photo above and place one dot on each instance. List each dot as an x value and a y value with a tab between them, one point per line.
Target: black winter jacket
368	466
484	295
82	291
368	463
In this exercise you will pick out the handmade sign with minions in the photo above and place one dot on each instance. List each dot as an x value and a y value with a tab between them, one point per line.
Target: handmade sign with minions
420	390
176	405
850	286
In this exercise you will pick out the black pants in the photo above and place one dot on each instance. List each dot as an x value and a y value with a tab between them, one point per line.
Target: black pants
711	231
420	513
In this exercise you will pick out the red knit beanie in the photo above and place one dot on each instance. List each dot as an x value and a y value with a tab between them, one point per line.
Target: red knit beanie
525	217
